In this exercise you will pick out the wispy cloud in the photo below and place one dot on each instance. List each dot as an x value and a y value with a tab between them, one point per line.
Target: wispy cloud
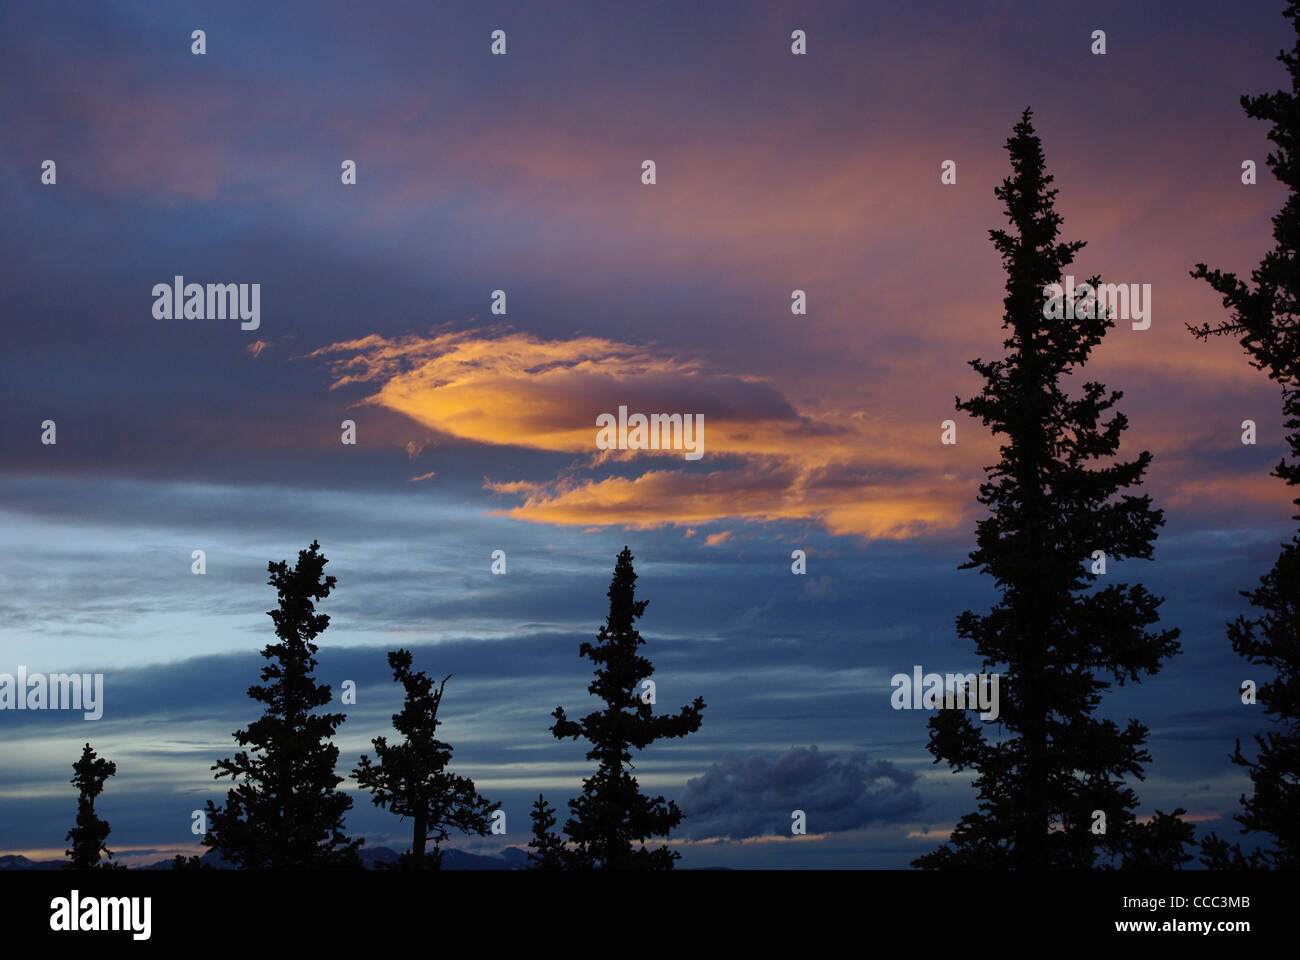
851	474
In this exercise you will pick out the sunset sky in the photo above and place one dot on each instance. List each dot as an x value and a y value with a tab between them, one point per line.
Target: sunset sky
475	432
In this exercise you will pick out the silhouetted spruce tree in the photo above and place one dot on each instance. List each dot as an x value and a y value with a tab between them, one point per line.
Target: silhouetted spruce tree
546	848
1265	317
1053	500
89	836
410	778
1160	844
611	821
284	812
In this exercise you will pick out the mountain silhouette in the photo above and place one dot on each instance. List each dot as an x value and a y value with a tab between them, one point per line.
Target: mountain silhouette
511	858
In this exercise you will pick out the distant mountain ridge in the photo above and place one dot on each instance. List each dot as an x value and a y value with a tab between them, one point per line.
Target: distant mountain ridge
19	862
511	858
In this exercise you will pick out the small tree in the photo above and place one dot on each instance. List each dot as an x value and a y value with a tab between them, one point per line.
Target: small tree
1160	844
1265	317
89	836
547	849
284	812
611	821
410	778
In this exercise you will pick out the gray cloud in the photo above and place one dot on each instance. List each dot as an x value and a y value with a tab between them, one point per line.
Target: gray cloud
753	797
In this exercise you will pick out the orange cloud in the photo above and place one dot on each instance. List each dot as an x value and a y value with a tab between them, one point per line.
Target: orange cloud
879	478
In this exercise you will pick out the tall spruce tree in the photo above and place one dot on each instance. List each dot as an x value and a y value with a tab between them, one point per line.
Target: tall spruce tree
1053	636
411	778
89	837
610	822
284	812
1265	317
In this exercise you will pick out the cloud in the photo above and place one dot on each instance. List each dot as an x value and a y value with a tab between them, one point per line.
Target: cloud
521	390
870	477
747	798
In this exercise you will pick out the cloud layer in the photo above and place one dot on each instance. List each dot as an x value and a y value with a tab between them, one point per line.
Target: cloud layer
755	797
845	472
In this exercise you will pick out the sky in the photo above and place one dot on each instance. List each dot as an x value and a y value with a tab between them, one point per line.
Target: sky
475	431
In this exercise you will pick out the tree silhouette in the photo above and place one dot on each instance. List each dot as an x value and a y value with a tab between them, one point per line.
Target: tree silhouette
1160	844
1053	502
1265	317
611	821
284	812
547	849
410	778
89	836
